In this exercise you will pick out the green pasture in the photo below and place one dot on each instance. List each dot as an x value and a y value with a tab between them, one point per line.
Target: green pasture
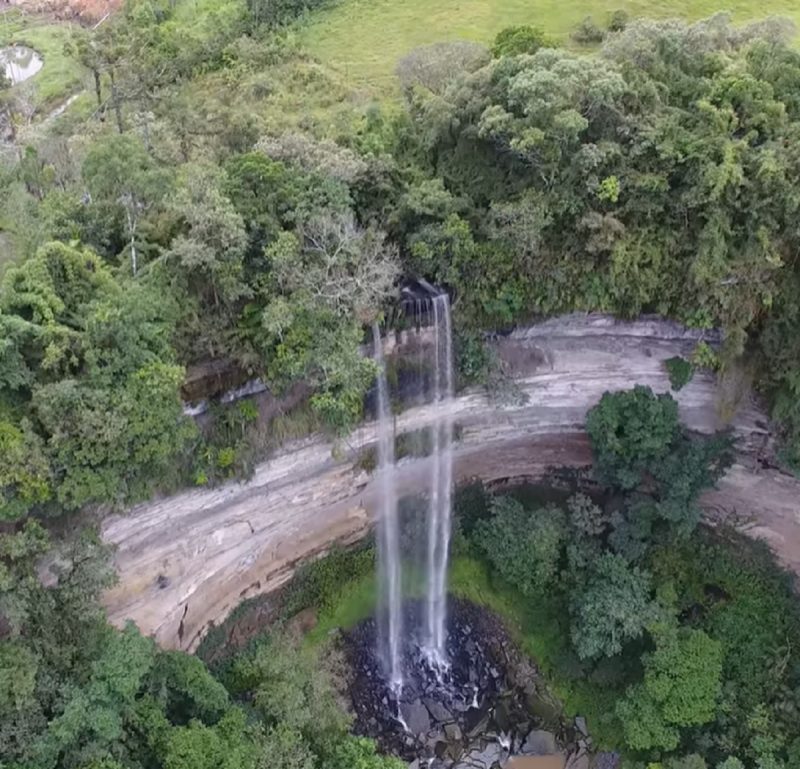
364	39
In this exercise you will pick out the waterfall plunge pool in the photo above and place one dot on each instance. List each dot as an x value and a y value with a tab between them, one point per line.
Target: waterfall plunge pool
479	711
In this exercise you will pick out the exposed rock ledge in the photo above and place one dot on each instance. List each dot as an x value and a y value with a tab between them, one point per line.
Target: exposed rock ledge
186	561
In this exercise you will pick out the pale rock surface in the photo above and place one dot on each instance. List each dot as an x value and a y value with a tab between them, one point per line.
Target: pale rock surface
186	561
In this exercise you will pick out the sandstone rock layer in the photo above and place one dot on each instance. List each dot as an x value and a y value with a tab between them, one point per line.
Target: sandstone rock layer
186	561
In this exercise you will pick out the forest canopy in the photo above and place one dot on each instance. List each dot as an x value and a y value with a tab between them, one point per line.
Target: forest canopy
217	197
656	175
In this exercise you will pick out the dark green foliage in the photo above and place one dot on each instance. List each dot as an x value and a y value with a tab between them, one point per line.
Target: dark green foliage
747	604
588	32
358	753
513	41
630	433
473	359
618	20
319	583
75	693
575	169
97	385
660	175
230	448
680	372
612	609
637	444
524	546
290	688
275	13
471	505
110	445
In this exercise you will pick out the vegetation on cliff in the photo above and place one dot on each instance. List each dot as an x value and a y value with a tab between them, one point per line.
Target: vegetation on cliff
222	200
220	194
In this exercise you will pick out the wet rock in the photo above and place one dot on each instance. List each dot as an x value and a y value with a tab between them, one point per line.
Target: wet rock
542	707
502	718
438	711
578	761
477	722
416	716
539	743
448	717
606	761
414	764
488	757
580	725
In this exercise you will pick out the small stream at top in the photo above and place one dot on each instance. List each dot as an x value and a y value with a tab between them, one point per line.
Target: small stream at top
19	62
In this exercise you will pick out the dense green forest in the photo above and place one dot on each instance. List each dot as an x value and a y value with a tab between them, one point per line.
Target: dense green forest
222	199
218	194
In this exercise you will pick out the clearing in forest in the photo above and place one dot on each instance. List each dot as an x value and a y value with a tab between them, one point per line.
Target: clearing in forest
365	38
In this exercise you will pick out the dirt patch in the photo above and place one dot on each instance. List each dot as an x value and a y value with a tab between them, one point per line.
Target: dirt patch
87	11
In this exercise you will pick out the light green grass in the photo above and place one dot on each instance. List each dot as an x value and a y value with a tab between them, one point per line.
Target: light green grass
540	627
364	39
61	75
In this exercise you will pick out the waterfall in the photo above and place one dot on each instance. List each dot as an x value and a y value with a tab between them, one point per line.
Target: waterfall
440	502
391	618
436	387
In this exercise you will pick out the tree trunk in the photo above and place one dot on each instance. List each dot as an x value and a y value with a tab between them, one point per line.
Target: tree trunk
97	87
115	102
132	232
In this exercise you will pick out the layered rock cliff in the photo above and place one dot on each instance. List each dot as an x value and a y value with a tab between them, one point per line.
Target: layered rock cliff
186	561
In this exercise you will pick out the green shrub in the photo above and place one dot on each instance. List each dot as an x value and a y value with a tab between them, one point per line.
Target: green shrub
320	582
629	432
513	41
524	546
704	356
611	609
473	359
588	32
680	372
276	13
682	682
618	20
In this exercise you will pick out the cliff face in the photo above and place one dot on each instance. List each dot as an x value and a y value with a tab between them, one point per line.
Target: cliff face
186	561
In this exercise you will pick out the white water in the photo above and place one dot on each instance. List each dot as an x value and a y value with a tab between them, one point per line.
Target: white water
19	63
436	546
391	617
439	512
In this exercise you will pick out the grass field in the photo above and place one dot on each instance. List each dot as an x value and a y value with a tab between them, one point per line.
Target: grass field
60	74
365	38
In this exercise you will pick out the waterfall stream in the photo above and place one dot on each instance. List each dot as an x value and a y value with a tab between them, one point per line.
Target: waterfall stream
391	617
436	384
441	459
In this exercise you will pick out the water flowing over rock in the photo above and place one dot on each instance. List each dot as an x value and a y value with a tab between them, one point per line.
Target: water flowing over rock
440	509
389	577
186	561
468	714
436	389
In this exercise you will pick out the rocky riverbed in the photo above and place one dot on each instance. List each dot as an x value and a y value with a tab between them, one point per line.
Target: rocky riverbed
486	707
